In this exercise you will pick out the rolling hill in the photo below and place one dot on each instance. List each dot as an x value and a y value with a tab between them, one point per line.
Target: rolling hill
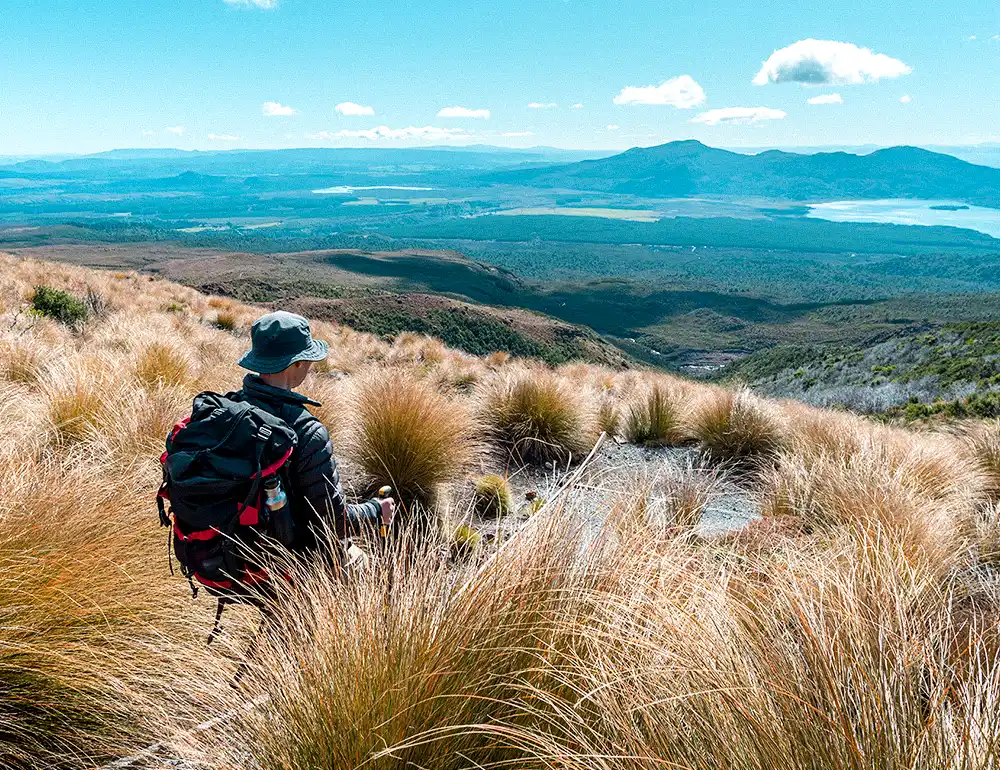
687	168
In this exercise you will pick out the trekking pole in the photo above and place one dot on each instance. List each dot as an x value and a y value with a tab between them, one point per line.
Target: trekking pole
382	494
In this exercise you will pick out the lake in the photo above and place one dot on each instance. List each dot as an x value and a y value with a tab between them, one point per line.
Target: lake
910	212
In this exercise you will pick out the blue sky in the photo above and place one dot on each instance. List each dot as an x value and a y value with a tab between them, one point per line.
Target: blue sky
83	77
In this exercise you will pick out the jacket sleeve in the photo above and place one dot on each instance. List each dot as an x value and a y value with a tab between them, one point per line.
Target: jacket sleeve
317	482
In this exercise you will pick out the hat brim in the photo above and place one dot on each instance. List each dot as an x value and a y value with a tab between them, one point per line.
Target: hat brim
317	351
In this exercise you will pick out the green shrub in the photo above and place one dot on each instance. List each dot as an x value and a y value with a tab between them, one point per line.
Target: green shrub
492	497
59	305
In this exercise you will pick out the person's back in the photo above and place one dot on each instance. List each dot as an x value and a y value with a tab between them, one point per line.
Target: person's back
281	357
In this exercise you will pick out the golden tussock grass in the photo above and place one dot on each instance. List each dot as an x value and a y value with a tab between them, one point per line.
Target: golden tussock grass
654	417
859	631
408	435
161	365
538	416
737	426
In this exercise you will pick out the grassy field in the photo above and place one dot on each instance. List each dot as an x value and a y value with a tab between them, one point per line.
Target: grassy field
853	626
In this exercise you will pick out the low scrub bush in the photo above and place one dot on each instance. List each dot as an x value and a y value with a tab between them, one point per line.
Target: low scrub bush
492	497
59	305
408	435
538	417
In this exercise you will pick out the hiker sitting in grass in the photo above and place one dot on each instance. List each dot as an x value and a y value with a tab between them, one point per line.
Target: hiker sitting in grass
283	352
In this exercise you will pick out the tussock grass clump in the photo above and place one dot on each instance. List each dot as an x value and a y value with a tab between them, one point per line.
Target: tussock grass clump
408	435
492	496
609	416
82	597
864	494
737	427
686	489
21	362
162	365
984	446
226	320
653	419
538	417
77	399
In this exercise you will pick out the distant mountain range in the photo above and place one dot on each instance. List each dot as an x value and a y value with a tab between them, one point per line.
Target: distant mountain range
689	168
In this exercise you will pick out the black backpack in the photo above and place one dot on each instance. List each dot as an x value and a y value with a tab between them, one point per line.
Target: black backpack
214	470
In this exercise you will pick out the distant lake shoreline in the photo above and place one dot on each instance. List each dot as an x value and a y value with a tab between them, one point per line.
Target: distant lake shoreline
927	213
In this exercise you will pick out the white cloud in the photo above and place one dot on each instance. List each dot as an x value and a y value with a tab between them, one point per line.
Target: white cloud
972	37
905	99
178	130
223	137
577	106
682	92
826	99
542	105
828	62
147	133
273	109
424	133
463	112
350	108
517	133
741	115
612	127
995	37
253	3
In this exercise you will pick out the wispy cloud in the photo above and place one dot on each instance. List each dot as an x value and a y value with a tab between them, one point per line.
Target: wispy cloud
577	106
739	115
266	4
463	112
828	62
148	132
177	130
826	99
682	92
905	99
223	137
542	105
419	133
511	134
352	109
612	127
276	109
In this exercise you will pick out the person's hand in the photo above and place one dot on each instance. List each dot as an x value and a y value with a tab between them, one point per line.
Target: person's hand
388	510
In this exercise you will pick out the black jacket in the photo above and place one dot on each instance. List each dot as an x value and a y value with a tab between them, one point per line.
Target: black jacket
316	493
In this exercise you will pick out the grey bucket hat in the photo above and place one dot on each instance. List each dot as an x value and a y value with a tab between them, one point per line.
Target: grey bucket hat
280	339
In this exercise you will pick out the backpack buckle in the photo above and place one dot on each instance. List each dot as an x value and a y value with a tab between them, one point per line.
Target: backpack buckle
264	432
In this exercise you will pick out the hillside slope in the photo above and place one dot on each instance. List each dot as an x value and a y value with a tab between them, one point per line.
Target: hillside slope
871	559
